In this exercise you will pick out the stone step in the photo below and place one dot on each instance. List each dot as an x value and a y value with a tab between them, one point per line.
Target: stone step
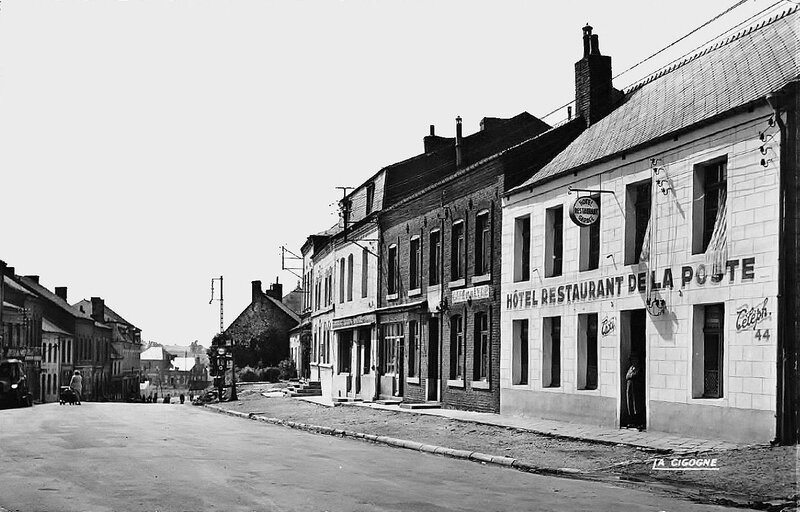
389	401
424	405
347	399
307	393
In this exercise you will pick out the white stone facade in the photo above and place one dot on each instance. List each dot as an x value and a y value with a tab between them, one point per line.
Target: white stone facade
674	341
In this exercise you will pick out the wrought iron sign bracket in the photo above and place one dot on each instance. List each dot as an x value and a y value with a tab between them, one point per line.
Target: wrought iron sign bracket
570	190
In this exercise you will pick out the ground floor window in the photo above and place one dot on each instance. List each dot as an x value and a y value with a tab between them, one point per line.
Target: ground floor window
413	349
456	347
519	360
345	350
551	352
707	357
391	339
480	368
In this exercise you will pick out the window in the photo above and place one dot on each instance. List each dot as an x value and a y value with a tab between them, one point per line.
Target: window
587	351
707	357
364	272
522	248
480	367
590	244
341	280
370	198
554	241
456	347
637	222
457	251
483	244
392	336
708	212
391	275
519	362
350	277
414	264
413	349
345	339
551	352
435	258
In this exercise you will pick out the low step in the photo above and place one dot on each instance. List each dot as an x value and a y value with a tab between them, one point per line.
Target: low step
389	401
424	405
346	399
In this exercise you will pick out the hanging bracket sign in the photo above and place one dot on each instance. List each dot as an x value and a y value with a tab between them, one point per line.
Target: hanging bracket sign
585	211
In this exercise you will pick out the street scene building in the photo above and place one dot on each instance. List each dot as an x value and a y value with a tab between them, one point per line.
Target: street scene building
641	265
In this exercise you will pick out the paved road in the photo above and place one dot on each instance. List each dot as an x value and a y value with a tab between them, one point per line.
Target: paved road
156	457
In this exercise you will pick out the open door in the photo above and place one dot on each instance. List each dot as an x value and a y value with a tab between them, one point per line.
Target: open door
633	362
432	392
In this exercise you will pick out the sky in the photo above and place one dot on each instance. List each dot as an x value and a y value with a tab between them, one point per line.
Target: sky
149	146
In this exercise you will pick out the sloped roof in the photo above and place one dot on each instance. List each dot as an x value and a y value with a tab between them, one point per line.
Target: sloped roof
294	300
48	326
53	298
183	364
109	316
155	354
730	74
12	284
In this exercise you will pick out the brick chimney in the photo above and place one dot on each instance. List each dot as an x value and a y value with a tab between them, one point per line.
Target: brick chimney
276	290
256	291
98	309
433	142
594	94
61	291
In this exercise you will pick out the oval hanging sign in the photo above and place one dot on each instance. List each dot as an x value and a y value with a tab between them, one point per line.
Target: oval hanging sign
585	211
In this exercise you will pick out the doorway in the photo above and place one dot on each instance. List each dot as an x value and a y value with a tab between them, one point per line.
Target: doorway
633	364
433	360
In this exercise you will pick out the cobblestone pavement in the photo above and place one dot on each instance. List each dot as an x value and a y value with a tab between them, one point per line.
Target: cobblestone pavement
751	475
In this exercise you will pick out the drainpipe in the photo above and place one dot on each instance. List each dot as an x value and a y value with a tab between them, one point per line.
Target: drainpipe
377	344
786	407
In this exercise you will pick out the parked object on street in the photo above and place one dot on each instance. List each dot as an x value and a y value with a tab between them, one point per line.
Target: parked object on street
13	383
68	395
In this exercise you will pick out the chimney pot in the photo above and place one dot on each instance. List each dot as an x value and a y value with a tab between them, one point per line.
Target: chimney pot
587	36
595	45
433	130
569	113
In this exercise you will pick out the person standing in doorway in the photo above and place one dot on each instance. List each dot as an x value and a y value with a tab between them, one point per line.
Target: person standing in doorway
632	378
76	384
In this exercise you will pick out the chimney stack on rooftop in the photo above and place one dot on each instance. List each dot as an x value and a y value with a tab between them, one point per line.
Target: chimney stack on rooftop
594	94
61	291
459	143
276	290
98	309
256	290
35	279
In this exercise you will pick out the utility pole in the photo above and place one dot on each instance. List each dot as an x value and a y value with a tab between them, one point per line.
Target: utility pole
221	323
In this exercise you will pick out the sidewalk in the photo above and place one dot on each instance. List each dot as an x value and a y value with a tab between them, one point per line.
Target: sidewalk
658	441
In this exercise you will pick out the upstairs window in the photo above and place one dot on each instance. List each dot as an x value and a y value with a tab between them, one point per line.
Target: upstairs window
364	273
709	206
391	274
554	241
341	280
483	244
522	248
638	199
370	198
434	265
590	244
350	277
414	264
457	251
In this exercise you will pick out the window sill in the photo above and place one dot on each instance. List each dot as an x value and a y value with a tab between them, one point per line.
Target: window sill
480	384
412	380
434	288
414	292
455	383
346	374
485	278
458	283
392	296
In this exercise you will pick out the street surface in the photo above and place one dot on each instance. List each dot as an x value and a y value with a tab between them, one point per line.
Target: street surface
157	457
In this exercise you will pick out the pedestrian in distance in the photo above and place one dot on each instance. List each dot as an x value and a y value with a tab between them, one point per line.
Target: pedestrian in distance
76	384
166	399
155	398
183	398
